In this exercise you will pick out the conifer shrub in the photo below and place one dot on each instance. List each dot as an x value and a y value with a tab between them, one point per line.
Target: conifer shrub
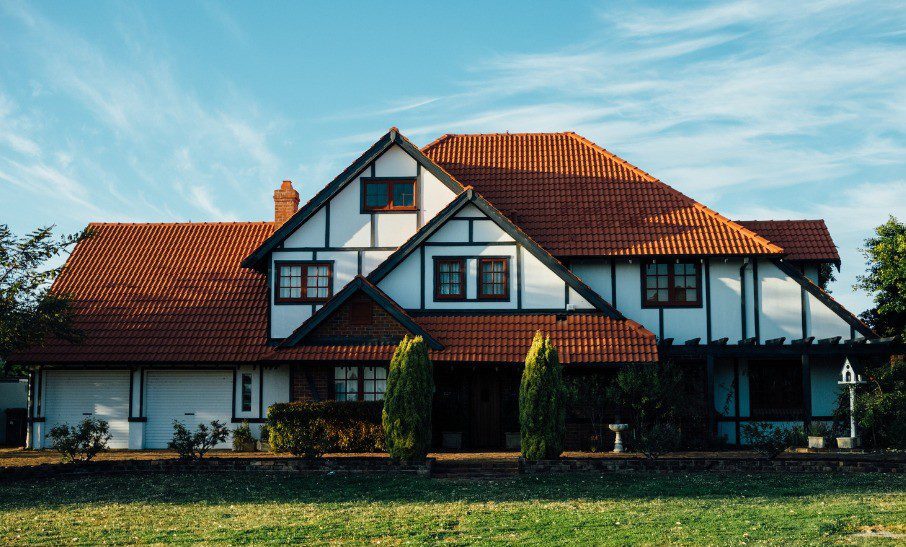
542	402
407	401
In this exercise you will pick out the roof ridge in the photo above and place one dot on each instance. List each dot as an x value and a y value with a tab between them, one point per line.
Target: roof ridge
697	204
821	220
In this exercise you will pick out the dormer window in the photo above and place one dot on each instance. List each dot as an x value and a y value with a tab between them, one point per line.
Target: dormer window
493	279
302	282
449	278
388	194
671	284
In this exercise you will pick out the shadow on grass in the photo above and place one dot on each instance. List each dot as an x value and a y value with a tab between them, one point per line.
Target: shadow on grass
239	488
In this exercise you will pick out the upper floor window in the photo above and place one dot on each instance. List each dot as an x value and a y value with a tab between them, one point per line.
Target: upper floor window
388	194
302	282
493	278
449	278
671	284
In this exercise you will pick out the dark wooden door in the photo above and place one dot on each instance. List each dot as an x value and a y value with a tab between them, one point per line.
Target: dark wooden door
485	412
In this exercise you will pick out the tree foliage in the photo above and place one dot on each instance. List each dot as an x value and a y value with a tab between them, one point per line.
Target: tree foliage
885	254
29	311
194	445
542	402
81	442
880	405
407	401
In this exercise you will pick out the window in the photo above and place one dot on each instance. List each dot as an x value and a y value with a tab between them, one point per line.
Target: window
449	278
360	383
303	281
493	279
246	392
775	389
388	194
671	284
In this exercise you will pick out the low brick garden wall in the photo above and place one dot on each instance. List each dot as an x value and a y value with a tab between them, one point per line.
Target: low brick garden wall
214	464
731	465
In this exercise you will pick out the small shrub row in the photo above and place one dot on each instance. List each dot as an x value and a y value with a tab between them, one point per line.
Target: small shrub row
311	429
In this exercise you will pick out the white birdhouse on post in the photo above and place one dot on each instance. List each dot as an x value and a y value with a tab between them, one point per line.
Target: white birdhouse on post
849	378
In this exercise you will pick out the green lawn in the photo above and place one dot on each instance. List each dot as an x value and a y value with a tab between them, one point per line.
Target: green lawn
589	508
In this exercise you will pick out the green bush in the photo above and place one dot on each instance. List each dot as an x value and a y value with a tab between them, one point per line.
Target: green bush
311	428
82	442
880	406
770	441
243	440
658	439
542	402
194	445
655	396
407	401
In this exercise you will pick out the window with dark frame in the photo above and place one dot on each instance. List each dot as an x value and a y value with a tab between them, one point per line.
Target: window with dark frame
388	194
776	390
246	392
671	284
449	278
360	383
303	281
493	278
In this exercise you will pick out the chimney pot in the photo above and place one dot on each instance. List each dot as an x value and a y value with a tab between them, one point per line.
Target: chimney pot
286	203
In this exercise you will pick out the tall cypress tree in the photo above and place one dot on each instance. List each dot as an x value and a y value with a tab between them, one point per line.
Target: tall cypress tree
542	402
407	401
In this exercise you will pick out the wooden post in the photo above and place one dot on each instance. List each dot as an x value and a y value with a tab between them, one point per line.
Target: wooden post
709	372
806	392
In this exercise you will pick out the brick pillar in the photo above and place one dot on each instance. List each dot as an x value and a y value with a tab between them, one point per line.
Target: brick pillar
286	203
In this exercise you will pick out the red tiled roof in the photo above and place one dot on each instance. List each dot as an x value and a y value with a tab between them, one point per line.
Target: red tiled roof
164	293
580	338
800	239
175	293
577	199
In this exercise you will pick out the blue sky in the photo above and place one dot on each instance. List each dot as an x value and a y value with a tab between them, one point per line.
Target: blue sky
175	111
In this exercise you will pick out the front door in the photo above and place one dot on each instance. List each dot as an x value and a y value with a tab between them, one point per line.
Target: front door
485	411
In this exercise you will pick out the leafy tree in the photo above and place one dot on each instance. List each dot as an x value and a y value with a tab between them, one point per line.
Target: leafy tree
542	402
657	399
407	401
588	398
880	405
29	311
886	278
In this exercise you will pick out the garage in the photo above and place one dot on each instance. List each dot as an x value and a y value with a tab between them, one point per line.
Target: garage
73	395
191	397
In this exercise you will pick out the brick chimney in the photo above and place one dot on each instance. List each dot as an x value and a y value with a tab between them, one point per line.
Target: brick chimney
286	203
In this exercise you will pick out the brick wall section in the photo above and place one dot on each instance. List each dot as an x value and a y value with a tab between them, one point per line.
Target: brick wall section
305	375
383	330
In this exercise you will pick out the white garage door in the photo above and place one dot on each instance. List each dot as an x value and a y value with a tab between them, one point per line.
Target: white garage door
191	397
73	395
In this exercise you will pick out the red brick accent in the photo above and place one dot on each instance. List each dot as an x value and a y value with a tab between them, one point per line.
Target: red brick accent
306	377
286	203
338	328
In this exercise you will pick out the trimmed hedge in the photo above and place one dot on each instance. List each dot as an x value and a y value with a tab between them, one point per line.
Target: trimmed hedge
311	429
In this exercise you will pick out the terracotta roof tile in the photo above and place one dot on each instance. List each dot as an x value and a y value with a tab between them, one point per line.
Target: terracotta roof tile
612	207
581	338
175	293
800	239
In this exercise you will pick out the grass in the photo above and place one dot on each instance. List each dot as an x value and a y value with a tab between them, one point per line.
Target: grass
554	509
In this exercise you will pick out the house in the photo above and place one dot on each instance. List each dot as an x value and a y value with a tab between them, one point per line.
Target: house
474	242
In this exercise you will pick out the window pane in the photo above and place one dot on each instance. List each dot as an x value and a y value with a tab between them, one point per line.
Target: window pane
403	194
376	194
651	269
691	295
246	392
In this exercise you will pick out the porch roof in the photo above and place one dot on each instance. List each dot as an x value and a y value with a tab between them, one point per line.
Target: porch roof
580	338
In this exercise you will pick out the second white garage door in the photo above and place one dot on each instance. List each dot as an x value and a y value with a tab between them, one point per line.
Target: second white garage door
191	397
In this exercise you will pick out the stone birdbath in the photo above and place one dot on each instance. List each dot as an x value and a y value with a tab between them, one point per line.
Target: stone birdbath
618	429
850	379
